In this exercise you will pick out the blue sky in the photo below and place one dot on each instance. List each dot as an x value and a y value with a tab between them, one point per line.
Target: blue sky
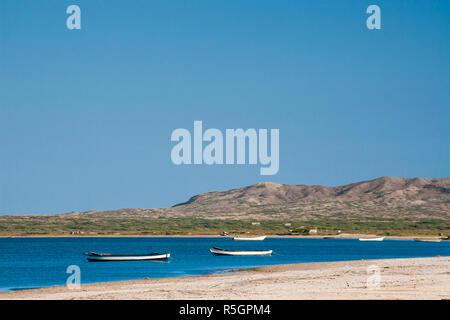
86	115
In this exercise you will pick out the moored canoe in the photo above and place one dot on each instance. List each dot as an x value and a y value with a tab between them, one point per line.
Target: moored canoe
249	238
224	252
372	239
93	256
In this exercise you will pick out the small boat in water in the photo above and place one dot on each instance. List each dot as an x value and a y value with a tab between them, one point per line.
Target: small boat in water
93	256
372	239
427	240
223	252
261	238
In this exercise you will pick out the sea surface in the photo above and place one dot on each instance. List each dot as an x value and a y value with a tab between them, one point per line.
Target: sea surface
43	262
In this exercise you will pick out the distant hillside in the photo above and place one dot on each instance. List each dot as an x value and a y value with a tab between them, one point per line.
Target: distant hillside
399	203
382	197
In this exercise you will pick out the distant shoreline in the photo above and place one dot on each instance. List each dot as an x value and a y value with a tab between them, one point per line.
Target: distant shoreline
342	236
386	206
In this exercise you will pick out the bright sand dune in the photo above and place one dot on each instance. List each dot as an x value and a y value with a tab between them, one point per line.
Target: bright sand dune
416	278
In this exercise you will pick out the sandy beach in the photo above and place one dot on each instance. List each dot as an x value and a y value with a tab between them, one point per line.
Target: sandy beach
413	278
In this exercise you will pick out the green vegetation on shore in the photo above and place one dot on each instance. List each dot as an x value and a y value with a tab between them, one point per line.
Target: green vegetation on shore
60	225
384	206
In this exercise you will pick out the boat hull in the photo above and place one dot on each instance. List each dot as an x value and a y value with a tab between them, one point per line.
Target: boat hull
249	238
103	257
372	239
217	252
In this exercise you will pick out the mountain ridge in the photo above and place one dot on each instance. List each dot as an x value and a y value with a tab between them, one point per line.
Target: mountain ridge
384	205
391	197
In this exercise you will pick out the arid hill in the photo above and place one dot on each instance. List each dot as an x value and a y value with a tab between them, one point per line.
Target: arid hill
385	205
383	197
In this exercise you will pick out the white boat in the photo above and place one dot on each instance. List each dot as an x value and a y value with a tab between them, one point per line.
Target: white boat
223	252
261	238
93	256
372	239
427	240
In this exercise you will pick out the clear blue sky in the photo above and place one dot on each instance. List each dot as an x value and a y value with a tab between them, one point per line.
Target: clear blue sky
86	115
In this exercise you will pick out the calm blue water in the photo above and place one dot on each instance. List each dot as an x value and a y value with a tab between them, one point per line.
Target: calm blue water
42	262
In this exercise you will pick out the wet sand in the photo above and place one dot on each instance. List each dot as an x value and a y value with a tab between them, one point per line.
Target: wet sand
413	278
